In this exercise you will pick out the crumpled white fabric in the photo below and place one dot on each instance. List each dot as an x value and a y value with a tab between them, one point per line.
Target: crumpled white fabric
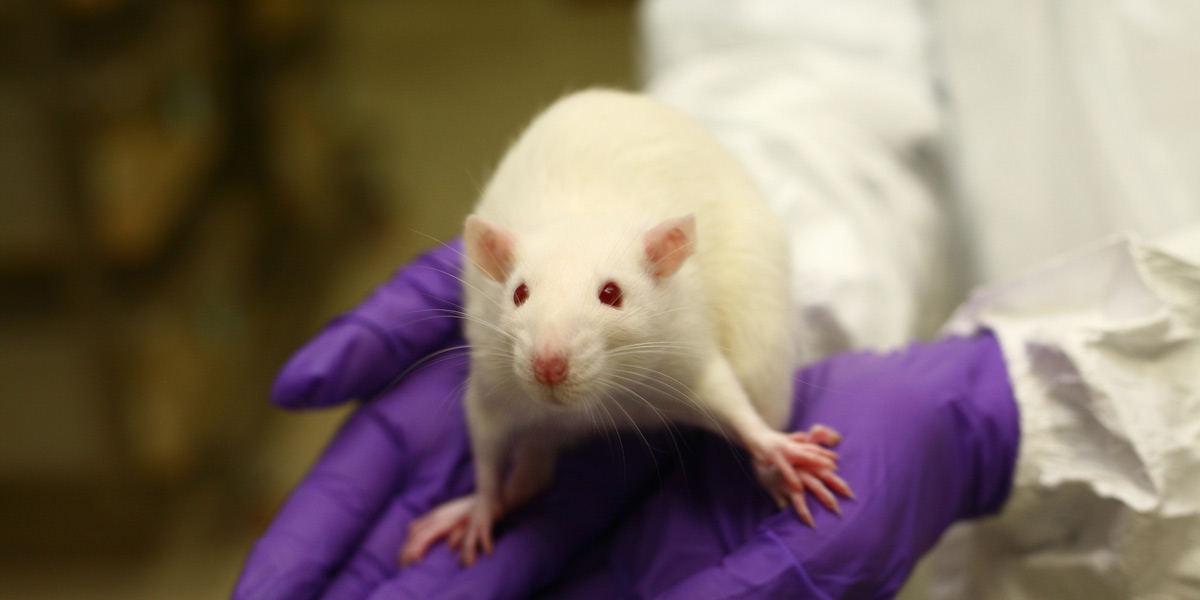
1103	350
831	112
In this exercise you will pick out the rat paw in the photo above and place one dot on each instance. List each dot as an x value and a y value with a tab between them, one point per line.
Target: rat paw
449	520
822	484
790	465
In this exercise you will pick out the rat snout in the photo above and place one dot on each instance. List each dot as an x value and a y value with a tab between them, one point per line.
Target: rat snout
550	366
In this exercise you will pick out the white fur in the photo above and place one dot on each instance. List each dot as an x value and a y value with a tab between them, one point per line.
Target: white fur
577	192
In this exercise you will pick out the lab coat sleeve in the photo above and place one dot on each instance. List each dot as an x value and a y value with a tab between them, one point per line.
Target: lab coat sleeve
1103	347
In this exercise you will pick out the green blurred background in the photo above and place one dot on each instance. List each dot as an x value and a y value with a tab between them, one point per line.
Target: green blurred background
188	189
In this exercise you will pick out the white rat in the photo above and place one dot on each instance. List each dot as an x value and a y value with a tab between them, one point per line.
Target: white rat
623	269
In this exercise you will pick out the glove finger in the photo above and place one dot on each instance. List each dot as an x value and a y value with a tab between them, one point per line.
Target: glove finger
413	439
360	353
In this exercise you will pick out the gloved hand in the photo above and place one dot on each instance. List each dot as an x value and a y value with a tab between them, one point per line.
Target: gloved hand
929	437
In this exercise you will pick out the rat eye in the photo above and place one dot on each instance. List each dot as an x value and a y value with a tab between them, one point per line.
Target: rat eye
610	294
521	294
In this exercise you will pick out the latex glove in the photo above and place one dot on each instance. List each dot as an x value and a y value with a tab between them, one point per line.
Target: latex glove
930	436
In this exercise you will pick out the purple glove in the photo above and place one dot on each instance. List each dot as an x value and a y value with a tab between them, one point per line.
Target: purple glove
930	437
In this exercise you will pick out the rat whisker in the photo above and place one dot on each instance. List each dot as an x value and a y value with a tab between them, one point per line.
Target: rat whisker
465	316
668	424
671	350
460	280
616	431
446	245
687	398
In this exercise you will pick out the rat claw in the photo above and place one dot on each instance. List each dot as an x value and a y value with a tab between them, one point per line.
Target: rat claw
467	550
824	496
812	444
485	541
801	436
787	471
825	436
838	484
817	461
800	503
805	456
467	555
789	457
416	546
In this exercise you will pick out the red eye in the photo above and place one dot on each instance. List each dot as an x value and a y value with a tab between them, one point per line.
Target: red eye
521	294
610	294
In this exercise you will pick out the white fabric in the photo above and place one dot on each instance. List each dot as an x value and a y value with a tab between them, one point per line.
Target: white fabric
1067	121
1070	120
829	109
1103	351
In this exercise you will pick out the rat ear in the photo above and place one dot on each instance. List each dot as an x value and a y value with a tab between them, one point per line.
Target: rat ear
489	247
669	243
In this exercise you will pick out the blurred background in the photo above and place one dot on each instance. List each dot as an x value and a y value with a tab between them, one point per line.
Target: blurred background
189	188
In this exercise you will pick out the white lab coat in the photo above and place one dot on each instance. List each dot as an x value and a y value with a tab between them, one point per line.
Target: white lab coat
922	149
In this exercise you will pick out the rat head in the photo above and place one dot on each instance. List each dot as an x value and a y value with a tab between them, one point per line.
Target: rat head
580	303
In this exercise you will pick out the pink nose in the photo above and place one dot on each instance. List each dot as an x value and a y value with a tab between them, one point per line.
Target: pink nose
550	369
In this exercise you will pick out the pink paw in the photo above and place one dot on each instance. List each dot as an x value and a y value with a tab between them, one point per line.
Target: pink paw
465	523
449	521
791	464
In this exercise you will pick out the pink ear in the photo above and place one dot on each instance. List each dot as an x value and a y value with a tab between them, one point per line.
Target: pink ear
489	247
669	244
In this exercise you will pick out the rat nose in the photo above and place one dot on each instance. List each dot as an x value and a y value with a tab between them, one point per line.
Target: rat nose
550	368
